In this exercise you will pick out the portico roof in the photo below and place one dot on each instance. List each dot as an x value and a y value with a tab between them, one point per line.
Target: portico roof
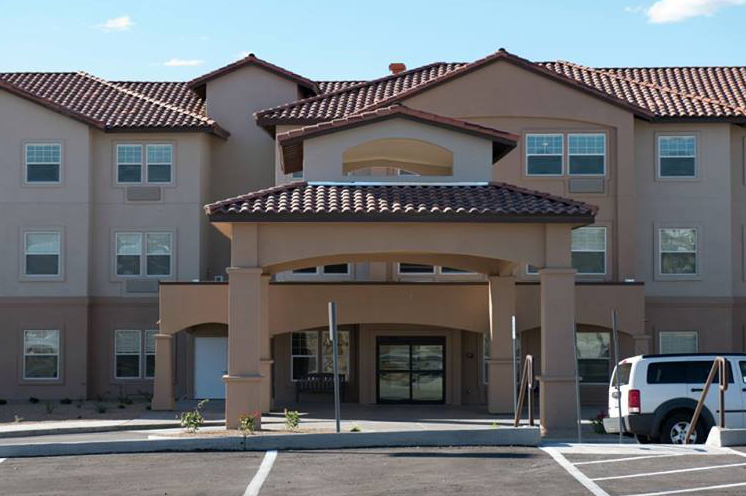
400	202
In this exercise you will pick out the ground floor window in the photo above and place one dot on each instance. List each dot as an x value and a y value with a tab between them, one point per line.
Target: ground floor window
678	342
134	354
308	346
41	354
593	356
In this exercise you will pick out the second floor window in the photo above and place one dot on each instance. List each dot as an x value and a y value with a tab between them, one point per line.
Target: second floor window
544	154
678	251
589	250
587	154
43	163
151	164
143	254
677	156
42	253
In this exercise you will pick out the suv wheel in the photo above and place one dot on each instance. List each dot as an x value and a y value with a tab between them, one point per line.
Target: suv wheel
676	426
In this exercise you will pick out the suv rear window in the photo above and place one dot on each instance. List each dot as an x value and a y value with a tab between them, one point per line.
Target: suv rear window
694	372
624	370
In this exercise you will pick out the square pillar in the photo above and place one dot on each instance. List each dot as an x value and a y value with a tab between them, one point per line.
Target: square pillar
163	382
557	389
243	384
500	368
265	358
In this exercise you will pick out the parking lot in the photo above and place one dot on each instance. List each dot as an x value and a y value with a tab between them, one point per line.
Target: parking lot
561	469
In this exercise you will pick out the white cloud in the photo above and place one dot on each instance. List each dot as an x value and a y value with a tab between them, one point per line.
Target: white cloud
122	23
183	62
665	11
634	10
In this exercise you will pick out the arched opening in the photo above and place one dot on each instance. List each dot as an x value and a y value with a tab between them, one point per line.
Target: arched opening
397	156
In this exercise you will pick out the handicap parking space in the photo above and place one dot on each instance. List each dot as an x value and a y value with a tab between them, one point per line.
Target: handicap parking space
650	470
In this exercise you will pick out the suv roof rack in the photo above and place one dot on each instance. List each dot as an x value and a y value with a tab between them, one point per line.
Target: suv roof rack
673	355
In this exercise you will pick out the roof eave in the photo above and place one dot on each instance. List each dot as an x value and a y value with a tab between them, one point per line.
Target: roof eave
581	219
213	129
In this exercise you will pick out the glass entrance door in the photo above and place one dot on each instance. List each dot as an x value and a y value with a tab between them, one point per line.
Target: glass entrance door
411	370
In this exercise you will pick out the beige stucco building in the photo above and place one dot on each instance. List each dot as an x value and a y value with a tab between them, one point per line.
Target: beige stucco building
432	205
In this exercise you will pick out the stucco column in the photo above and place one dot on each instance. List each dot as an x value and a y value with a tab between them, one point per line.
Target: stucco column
243	384
265	345
163	382
500	369
557	389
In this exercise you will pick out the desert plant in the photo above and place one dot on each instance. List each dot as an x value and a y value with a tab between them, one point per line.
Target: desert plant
49	407
33	399
292	419
100	408
193	420
3	402
66	401
247	424
598	423
146	394
124	399
356	428
17	419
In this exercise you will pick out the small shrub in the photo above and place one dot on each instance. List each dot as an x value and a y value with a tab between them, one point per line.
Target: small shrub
292	419
125	400
100	408
247	424
49	407
17	419
66	401
33	399
192	421
146	394
598	423
356	428
3	402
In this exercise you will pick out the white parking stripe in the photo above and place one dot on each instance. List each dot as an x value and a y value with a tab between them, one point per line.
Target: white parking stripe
261	475
2	460
579	476
626	459
677	471
693	490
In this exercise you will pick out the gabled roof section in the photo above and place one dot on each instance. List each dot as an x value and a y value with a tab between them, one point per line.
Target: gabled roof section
252	59
292	141
111	106
355	202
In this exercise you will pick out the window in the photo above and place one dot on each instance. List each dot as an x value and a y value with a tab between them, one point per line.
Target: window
677	156
297	174
343	353
742	366
41	354
43	163
304	354
150	354
42	253
532	270
589	250
678	342
129	254
158	162
593	356
678	251
336	269
454	271
544	154
667	373
697	372
587	154
409	268
127	354
307	270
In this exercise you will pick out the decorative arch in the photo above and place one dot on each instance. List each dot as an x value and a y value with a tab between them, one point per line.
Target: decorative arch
389	155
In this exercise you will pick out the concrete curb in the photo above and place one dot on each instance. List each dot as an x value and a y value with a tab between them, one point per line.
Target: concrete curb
521	436
723	438
99	428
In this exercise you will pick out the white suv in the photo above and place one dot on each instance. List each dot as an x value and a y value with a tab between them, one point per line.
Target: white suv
659	394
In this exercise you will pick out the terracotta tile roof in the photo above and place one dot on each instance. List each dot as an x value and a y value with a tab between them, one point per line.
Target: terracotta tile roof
669	92
292	141
331	86
493	202
175	93
112	106
252	59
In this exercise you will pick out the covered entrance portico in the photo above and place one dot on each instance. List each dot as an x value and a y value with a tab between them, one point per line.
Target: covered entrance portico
535	229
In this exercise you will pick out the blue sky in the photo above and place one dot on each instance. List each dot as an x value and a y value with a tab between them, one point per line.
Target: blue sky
352	39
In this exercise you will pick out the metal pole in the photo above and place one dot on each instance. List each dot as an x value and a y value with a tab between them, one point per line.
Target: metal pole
333	336
577	383
616	374
515	396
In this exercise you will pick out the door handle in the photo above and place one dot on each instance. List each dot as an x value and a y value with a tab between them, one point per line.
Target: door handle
615	394
696	390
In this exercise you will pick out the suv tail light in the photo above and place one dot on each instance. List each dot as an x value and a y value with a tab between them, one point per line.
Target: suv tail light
633	401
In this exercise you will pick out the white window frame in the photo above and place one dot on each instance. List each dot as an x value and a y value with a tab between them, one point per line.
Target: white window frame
148	163
680	333
569	155
58	355
293	355
561	155
663	136
697	253
144	164
26	163
59	273
605	251
144	254
139	355
532	274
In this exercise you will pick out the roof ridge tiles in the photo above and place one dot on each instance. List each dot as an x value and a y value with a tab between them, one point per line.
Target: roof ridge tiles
146	98
652	85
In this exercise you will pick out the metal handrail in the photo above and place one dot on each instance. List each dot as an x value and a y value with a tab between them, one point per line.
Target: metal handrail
719	365
527	385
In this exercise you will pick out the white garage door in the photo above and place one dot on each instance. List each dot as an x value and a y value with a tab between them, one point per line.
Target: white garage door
210	364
